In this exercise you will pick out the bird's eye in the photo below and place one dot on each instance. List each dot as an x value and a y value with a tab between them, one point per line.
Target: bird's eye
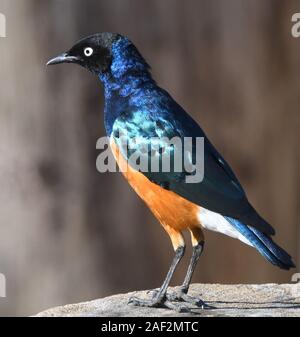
88	51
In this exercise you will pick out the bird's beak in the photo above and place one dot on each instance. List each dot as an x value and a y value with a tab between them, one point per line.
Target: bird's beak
63	58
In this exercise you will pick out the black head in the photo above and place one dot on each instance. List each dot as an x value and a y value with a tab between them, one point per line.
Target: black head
93	53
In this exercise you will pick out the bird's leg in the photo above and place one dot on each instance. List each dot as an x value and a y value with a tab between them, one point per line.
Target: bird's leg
159	296
183	290
198	245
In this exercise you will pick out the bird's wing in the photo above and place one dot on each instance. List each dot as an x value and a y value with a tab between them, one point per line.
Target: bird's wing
142	137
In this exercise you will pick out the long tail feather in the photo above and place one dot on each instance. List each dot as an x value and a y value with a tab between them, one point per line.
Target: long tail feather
264	244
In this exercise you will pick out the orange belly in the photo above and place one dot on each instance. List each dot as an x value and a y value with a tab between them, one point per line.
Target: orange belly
168	207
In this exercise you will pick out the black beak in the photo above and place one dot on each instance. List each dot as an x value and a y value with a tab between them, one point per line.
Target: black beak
63	58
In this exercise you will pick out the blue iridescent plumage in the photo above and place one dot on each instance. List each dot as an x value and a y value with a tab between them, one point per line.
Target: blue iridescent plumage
264	244
135	103
140	114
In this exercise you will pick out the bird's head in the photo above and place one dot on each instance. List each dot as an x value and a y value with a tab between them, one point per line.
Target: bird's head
93	52
103	53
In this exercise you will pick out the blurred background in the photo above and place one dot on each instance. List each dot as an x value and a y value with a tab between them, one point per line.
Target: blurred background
70	234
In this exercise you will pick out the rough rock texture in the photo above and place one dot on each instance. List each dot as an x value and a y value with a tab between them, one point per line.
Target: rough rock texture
229	300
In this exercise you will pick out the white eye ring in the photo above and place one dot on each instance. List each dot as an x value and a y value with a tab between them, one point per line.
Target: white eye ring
88	51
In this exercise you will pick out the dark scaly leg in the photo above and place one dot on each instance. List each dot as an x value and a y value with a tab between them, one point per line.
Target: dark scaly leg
197	238
198	245
159	297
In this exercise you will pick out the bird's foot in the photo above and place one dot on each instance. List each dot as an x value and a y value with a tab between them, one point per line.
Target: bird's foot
170	300
182	296
157	301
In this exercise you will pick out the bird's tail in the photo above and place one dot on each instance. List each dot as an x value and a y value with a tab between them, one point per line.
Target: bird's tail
264	244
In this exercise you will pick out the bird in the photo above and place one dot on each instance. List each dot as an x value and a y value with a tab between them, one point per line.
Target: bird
136	107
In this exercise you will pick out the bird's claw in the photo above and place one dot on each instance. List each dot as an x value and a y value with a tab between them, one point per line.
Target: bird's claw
158	302
170	301
182	296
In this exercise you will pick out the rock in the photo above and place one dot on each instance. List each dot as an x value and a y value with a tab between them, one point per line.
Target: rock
229	300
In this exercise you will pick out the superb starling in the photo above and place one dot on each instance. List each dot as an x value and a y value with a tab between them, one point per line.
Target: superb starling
136	105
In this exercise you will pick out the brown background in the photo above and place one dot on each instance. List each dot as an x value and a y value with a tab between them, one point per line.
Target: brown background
68	233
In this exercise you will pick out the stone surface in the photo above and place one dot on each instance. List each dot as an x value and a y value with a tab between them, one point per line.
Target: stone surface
229	300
